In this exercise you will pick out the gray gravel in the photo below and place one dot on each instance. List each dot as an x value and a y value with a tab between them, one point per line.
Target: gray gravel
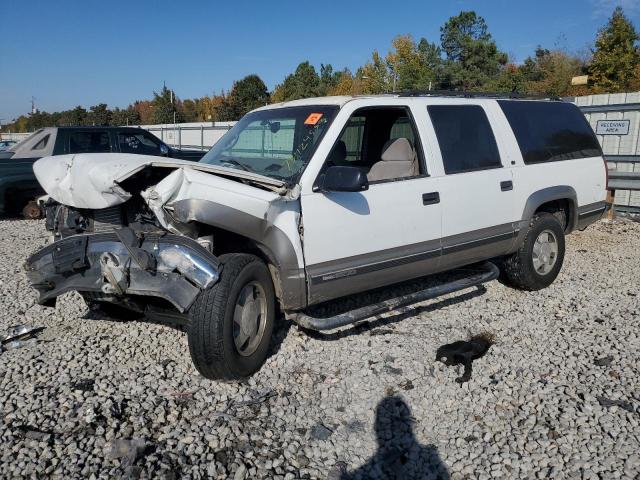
557	396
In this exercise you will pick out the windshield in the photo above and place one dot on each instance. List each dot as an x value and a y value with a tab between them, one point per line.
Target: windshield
277	143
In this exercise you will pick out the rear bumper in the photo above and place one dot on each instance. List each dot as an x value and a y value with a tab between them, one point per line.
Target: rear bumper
591	213
120	267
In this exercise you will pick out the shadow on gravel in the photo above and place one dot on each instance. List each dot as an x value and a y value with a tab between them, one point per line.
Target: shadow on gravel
374	327
399	455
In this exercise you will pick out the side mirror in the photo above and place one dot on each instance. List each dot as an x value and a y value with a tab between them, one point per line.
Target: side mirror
343	179
164	150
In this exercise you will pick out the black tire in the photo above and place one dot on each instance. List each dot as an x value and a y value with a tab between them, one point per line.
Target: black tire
518	268
211	335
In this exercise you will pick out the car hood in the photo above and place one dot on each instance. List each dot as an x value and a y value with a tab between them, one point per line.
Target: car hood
92	180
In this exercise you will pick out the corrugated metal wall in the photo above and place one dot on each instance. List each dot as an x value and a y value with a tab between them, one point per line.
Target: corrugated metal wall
628	145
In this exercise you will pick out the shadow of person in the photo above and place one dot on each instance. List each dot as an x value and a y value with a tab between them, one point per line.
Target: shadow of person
399	454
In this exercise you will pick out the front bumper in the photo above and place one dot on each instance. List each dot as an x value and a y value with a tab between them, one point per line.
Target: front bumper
121	266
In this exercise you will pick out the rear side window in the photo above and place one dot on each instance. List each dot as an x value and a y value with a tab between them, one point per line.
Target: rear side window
138	143
465	138
550	131
89	142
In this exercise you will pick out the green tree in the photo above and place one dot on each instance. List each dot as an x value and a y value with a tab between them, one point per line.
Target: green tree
165	106
99	115
128	116
303	83
77	116
246	95
616	57
189	110
472	55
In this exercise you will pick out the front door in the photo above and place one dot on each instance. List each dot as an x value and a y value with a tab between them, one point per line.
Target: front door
356	241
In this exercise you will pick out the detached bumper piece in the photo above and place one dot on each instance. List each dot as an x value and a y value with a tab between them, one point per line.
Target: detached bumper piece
487	271
121	264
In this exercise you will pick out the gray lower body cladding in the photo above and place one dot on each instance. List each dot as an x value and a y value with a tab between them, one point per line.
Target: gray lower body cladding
121	267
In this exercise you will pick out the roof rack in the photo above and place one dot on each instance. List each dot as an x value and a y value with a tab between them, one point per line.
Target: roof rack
464	94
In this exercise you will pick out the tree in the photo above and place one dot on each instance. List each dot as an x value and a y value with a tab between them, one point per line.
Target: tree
550	72
165	107
374	75
128	116
77	116
144	108
246	95
413	67
303	83
99	115
472	56
616	57
189	110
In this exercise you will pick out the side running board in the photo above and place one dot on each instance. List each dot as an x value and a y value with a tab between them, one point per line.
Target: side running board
487	271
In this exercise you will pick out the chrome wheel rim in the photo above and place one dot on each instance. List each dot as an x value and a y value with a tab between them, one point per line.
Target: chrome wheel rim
545	252
249	318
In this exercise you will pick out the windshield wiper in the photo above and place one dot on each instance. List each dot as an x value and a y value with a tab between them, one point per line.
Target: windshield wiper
244	167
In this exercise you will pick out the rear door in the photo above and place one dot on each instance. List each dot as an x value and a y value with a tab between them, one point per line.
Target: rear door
356	241
476	187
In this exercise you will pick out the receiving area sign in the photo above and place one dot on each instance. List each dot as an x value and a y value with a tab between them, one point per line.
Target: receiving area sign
612	127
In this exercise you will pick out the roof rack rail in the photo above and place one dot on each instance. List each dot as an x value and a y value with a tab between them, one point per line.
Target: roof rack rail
465	94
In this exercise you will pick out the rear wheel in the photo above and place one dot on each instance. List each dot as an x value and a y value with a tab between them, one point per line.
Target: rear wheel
536	264
231	323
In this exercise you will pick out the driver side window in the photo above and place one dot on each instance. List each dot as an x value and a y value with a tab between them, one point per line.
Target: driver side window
381	142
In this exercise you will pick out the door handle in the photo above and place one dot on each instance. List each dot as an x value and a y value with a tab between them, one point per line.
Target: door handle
506	185
430	198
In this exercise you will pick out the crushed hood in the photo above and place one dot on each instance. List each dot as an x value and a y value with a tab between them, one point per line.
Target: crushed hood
91	180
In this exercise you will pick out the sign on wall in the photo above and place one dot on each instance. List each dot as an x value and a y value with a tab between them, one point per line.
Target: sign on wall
612	127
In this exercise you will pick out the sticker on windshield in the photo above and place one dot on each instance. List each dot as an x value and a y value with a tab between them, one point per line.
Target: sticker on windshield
313	118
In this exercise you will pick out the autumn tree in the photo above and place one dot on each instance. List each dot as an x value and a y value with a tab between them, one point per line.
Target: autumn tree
616	57
374	75
413	66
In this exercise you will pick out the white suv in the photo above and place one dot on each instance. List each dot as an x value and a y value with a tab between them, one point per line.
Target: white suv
311	200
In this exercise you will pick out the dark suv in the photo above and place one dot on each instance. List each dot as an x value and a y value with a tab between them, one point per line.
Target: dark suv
18	184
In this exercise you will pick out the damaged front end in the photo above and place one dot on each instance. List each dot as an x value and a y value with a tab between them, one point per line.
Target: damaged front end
124	267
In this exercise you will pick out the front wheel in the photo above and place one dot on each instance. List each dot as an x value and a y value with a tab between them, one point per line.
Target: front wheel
231	323
536	264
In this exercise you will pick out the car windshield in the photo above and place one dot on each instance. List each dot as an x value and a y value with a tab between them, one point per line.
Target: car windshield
277	143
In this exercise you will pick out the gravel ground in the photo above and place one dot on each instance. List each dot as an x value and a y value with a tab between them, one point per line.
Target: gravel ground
557	396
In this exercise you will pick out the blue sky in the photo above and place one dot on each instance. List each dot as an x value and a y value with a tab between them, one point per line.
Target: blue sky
68	53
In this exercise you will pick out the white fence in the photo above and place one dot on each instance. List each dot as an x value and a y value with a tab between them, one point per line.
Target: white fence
615	118
200	136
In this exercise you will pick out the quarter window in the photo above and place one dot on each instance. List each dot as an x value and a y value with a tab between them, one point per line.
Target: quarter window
41	144
550	131
89	142
465	137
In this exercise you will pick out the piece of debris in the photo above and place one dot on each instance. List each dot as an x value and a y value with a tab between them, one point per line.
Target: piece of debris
607	402
16	336
129	450
84	385
464	353
604	361
320	432
33	433
406	385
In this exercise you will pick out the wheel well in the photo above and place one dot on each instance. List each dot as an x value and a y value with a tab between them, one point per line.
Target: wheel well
562	208
225	241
